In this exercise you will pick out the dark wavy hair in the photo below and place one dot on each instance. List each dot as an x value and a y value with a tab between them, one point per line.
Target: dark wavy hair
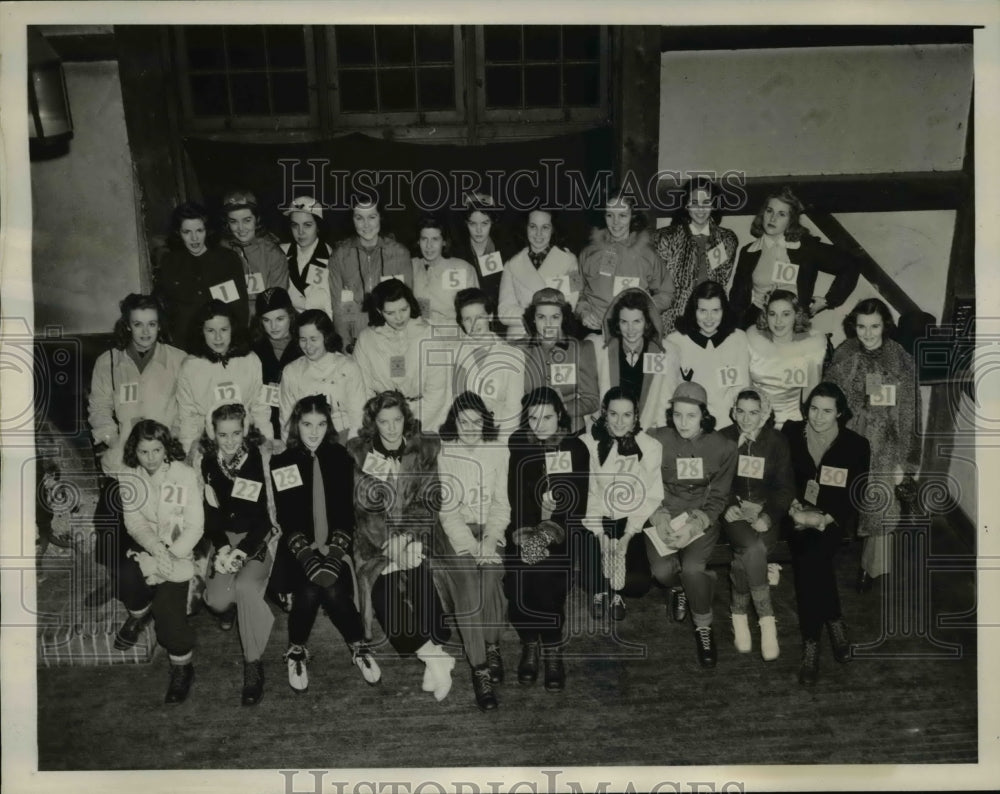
386	292
238	343
695	183
150	430
257	332
132	303
468	401
802	322
870	306
237	411
687	323
569	327
313	404
545	395
632	299
331	339
188	211
242	199
829	389
558	239
707	420
377	404
430	221
469	297
637	220
795	231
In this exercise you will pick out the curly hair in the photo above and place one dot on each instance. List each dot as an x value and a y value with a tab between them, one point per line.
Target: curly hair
569	327
795	231
687	323
870	306
832	390
257	332
470	296
188	211
313	404
632	299
468	401
802	321
237	411
135	302
694	184
545	395
150	430
637	220
430	221
558	238
319	318
238	344
707	420
379	403
386	292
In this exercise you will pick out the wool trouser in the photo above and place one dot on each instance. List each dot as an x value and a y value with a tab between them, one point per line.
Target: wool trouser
748	572
816	594
337	601
245	589
536	594
409	609
168	603
689	562
475	600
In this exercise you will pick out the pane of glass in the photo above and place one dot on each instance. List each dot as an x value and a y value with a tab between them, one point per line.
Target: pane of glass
541	43
503	42
541	86
503	87
395	43
397	90
583	85
581	42
437	88
204	47
435	44
355	45
249	94
208	95
286	46
290	92
357	91
246	46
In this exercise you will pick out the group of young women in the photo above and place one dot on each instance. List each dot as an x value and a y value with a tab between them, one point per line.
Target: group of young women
376	448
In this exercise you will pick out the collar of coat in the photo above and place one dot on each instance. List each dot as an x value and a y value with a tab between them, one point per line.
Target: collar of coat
758	245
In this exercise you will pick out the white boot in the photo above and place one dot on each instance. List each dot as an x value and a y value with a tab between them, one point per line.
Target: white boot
438	672
768	639
741	634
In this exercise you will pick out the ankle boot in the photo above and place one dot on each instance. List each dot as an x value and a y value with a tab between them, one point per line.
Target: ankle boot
253	682
181	676
482	687
809	671
741	633
527	668
555	672
839	644
768	639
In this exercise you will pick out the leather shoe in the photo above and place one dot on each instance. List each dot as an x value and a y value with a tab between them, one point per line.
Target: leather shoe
482	686
678	604
227	619
527	668
555	672
809	671
839	643
705	645
494	660
128	634
181	676
253	682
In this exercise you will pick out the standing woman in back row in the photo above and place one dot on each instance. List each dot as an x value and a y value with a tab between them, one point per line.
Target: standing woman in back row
309	281
482	243
264	264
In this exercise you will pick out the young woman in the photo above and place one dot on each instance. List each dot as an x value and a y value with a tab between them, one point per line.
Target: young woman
620	256
632	356
264	264
483	244
762	493
786	255
192	272
786	361
695	248
474	515
136	379
394	353
486	365
361	263
238	498
397	496
554	357
437	279
879	380
274	346
547	489
831	464
545	262
711	350
310	276
323	369
165	519
698	469
314	495
220	370
624	489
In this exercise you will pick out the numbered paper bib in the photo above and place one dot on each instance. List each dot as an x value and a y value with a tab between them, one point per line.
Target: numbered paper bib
227	393
750	466
286	477
690	469
812	491
785	273
246	489
128	393
377	466
255	283
315	275
729	376
225	292
347	296
454	278
795	376
171	494
490	264
831	475
623	283
885	396
477	497
627	464
558	462
717	256
272	395
654	363
488	388
563	374
397	366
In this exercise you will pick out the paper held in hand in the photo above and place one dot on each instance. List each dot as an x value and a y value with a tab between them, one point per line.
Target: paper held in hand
677	522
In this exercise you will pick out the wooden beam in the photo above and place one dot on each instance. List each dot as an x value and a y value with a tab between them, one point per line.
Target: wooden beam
870	269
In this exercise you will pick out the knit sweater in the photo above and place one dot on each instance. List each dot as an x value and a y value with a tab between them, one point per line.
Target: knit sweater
763	472
495	371
722	367
264	265
164	508
435	287
335	376
623	486
474	488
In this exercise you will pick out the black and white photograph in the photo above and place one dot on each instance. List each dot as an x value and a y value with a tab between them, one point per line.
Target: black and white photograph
450	398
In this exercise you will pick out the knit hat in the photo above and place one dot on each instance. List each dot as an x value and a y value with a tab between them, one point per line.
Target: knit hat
239	200
548	296
306	204
691	392
273	298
